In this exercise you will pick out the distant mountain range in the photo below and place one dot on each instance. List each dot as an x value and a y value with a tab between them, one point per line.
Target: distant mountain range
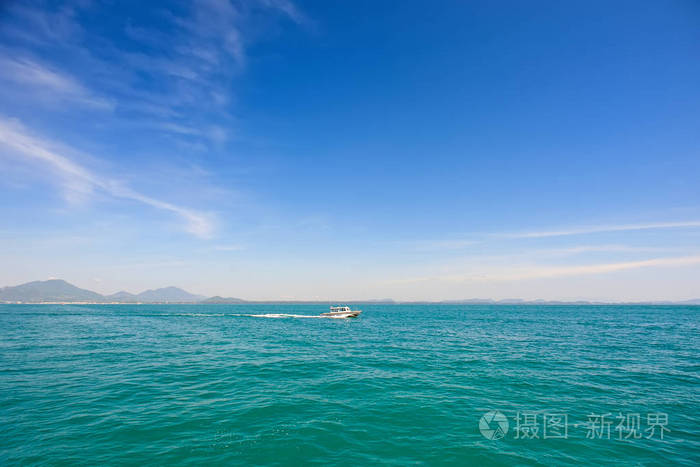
48	291
57	290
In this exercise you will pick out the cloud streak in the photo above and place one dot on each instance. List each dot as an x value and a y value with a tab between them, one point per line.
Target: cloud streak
480	239
543	272
549	272
602	229
289	9
50	83
80	180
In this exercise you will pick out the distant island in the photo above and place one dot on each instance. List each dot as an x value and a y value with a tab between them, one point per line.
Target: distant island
60	291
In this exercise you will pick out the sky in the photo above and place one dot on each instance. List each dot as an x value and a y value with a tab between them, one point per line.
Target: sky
314	150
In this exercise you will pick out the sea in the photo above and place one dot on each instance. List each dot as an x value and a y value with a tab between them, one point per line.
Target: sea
263	384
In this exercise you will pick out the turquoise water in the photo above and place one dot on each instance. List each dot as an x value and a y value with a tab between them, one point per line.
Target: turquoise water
401	385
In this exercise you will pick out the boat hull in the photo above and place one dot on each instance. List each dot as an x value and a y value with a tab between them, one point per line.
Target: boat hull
341	314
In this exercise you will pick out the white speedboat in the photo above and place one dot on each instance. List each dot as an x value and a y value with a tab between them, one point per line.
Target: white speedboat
342	312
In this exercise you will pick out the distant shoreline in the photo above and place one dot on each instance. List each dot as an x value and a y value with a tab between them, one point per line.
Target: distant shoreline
60	292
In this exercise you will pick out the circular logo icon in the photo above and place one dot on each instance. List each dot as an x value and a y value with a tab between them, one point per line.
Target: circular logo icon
493	425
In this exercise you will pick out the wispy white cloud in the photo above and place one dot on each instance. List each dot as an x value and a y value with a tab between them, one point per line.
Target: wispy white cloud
456	243
521	273
51	83
289	9
78	179
583	249
602	228
39	24
538	255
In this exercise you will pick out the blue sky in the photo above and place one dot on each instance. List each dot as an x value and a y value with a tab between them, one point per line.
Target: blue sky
351	150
